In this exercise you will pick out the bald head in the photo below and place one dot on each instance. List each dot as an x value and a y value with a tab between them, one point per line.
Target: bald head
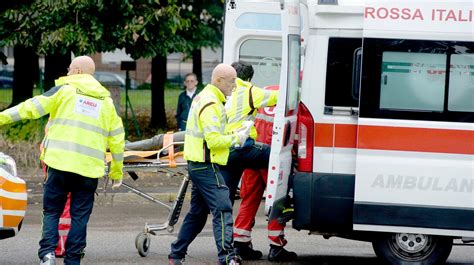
223	77
81	65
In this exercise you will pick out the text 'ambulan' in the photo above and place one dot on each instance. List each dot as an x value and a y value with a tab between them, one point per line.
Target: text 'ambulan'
395	13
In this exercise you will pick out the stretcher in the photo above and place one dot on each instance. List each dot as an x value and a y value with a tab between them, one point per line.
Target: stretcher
165	160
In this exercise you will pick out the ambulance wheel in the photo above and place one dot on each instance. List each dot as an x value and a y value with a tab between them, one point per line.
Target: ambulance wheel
420	249
142	243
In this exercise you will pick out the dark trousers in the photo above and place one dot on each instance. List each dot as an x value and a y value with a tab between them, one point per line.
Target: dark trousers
254	156
56	189
209	193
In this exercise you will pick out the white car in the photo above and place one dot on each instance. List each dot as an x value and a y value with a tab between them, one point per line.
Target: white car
13	198
113	79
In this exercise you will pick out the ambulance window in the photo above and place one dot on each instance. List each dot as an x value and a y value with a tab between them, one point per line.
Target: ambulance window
265	57
293	85
260	21
417	80
343	64
461	83
412	81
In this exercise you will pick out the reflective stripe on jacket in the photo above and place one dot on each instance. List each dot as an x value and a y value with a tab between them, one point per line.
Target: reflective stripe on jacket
83	123
243	105
205	140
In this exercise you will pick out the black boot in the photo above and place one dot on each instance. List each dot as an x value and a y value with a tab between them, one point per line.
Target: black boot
278	253
246	252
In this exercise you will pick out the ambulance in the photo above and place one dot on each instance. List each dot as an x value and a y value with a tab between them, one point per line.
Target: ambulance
13	198
373	137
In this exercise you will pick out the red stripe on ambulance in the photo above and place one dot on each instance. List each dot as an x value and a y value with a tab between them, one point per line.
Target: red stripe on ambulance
395	138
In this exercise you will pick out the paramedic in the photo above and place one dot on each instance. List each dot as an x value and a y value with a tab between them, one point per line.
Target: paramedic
251	192
185	99
83	122
206	148
242	106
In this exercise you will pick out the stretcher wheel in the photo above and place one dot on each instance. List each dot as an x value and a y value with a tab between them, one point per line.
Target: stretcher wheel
142	243
170	229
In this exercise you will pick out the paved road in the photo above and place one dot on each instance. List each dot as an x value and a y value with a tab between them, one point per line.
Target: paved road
118	218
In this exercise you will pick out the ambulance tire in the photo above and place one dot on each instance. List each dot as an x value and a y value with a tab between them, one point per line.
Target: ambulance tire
142	243
419	249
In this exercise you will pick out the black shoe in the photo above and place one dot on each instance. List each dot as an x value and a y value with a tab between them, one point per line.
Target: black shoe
278	253
246	252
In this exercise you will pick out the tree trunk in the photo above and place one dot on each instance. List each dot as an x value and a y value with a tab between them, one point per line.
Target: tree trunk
55	66
23	74
158	79
197	64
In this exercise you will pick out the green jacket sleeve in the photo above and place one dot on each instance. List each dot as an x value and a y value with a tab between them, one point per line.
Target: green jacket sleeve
32	108
210	120
264	98
116	143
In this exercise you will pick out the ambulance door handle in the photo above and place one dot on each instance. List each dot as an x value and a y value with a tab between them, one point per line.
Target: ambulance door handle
385	79
287	133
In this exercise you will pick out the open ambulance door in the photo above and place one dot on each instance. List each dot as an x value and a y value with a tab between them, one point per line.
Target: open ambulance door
284	126
252	34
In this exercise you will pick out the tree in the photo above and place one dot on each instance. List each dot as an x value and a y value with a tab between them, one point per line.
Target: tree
146	28
152	33
205	29
26	62
23	75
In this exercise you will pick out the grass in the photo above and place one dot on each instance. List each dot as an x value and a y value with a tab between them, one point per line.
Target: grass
140	99
21	139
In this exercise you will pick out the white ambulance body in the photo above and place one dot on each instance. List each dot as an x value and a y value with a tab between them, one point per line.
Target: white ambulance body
384	131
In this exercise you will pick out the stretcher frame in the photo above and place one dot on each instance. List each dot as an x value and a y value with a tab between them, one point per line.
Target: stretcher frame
161	163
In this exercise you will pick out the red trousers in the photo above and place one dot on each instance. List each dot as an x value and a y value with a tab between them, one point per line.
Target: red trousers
251	192
63	228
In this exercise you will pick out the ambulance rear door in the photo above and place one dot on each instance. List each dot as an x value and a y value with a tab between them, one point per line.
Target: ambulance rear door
252	34
286	110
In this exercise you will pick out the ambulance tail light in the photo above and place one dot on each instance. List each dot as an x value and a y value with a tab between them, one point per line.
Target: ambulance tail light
305	139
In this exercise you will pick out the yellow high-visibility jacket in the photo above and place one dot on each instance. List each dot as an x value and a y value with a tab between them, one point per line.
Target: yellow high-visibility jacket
82	124
243	105
205	140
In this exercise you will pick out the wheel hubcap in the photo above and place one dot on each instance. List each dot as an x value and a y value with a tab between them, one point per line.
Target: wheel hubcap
411	243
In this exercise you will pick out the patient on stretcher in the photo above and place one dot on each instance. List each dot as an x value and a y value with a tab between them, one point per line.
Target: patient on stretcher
154	143
161	148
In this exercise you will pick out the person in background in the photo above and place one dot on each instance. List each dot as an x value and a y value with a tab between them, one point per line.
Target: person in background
83	123
206	148
185	99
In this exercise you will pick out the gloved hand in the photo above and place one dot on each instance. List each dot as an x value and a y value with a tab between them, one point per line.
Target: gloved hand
243	135
116	183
